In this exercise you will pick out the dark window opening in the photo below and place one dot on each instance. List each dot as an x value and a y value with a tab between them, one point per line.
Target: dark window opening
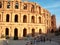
39	19
24	32
7	32
16	18
8	5
16	5
40	31
0	5
24	18
33	32
39	10
15	34
33	19
32	8
7	18
25	6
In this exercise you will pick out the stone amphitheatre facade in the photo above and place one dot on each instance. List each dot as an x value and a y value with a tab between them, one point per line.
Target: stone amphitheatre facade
19	19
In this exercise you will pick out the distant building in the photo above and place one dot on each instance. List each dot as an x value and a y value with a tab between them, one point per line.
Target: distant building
19	19
53	22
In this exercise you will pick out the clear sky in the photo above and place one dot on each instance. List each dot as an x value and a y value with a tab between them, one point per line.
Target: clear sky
52	5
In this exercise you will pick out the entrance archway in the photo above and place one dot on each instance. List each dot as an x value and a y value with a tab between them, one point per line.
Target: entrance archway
40	31
15	34
24	32
7	33
33	32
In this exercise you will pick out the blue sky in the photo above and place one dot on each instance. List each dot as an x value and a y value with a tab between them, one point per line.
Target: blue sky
52	5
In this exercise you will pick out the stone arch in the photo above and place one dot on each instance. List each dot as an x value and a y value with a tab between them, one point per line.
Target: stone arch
24	32
24	19
15	33
40	31
0	4
6	32
16	5
33	32
39	19
33	19
16	18
7	18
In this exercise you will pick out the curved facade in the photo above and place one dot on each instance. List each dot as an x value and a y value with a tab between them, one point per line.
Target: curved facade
22	18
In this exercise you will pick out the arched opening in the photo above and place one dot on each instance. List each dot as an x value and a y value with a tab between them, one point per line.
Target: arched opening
15	34
52	31
24	32
25	6
7	18
39	10
32	8
7	31
0	5
40	31
16	5
24	19
39	19
33	19
16	18
33	32
8	5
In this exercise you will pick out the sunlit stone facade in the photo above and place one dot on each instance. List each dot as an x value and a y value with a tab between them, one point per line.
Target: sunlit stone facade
19	19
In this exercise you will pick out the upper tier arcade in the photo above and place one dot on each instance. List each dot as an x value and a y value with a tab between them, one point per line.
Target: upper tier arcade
10	0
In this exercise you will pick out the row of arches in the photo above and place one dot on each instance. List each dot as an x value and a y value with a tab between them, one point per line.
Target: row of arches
9	5
24	32
8	17
25	5
24	18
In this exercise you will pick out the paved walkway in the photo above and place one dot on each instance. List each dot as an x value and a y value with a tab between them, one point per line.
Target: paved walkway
55	40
